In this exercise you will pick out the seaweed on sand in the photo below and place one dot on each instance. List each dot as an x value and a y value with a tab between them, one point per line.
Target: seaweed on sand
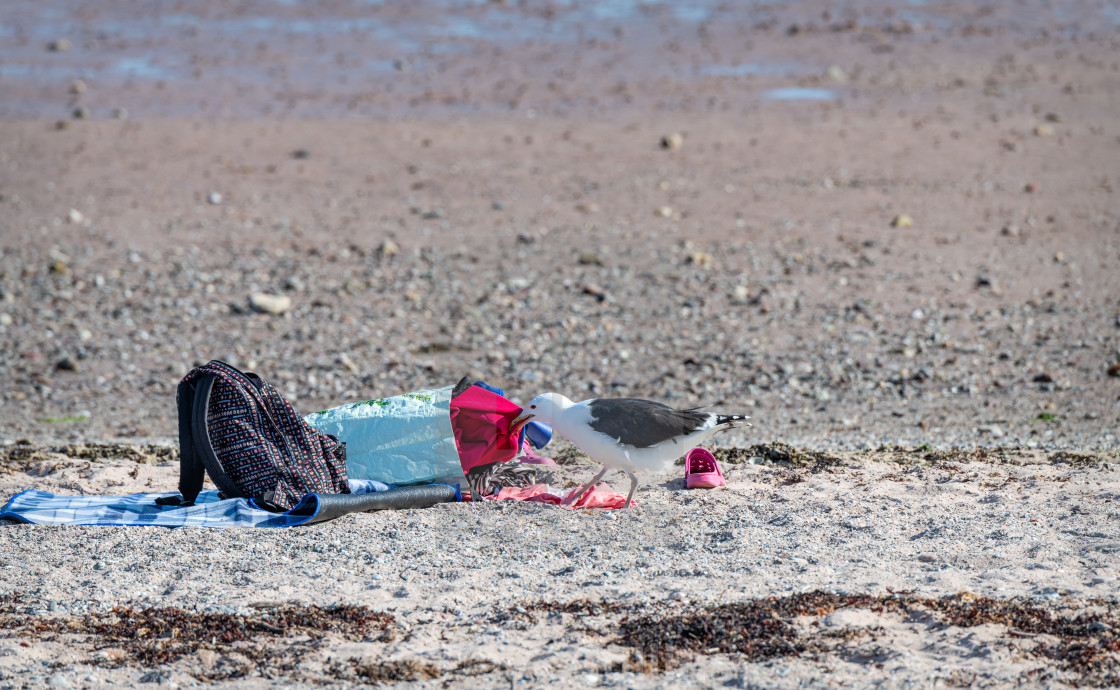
780	454
1085	644
155	637
20	455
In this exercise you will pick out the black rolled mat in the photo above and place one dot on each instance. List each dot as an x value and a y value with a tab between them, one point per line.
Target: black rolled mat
331	506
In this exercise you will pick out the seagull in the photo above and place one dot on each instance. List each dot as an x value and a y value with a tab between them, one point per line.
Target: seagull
626	434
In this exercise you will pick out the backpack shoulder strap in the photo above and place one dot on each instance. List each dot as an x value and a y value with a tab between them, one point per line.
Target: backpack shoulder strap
201	439
190	465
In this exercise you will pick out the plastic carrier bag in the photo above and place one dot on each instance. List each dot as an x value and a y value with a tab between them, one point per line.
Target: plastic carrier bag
437	435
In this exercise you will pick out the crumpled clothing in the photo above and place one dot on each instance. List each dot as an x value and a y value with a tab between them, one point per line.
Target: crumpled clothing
601	496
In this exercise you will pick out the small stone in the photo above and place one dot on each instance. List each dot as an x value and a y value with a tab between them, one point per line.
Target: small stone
301	154
62	125
214	198
75	217
1010	231
58	680
67	364
1113	370
388	248
663	212
993	430
60	46
59	266
595	290
740	295
270	304
1030	188
927	558
700	258
1044	131
120	113
1043	378
77	86
5	319
676	595
837	74
902	221
1053	117
588	208
590	259
917	315
672	141
81	113
498	205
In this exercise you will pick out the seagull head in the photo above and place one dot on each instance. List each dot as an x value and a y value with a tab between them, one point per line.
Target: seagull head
541	408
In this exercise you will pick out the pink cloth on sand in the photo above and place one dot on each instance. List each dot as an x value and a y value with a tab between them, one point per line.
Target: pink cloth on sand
599	496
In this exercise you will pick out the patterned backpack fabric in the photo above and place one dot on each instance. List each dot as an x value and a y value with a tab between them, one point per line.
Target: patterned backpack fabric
252	443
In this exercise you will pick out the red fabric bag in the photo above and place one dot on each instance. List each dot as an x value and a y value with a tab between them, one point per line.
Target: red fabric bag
481	421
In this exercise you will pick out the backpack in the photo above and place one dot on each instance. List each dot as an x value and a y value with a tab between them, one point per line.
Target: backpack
248	438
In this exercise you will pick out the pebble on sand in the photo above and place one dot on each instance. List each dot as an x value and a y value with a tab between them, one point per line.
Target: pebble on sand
60	46
77	86
67	364
700	258
902	221
672	141
75	217
214	198
1113	370
837	74
663	211
388	248
927	558
270	304
1044	131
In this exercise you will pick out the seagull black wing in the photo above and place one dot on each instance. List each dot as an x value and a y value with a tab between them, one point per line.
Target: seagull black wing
642	423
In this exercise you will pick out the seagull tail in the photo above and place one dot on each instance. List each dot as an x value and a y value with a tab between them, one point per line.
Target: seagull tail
730	421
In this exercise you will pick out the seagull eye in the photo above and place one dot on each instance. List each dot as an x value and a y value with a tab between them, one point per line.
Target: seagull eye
532	407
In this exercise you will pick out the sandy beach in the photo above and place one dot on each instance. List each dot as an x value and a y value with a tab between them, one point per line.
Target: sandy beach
890	235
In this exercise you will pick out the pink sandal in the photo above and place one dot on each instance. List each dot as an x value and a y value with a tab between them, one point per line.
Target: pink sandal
701	471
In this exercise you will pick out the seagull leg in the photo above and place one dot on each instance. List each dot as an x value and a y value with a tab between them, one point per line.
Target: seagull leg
633	487
577	495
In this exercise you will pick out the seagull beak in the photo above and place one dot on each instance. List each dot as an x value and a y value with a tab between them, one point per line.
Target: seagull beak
516	425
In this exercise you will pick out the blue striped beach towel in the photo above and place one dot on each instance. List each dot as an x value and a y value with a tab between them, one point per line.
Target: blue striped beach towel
44	508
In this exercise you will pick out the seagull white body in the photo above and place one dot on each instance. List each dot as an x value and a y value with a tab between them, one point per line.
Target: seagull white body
626	434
